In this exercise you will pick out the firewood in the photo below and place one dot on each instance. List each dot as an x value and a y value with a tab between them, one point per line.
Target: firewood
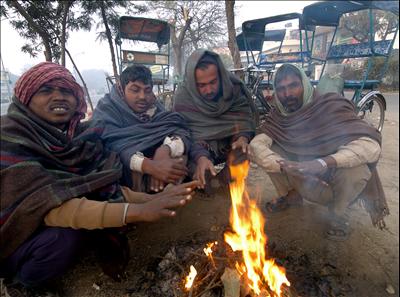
231	281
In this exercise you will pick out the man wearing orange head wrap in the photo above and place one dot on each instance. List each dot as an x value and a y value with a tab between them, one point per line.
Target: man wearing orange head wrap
57	178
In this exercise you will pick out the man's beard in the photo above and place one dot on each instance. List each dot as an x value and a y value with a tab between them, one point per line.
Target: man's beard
210	96
294	104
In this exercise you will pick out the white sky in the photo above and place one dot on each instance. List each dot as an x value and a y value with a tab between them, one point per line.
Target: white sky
91	54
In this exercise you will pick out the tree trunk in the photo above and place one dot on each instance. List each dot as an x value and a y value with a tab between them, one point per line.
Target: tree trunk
45	38
232	44
177	45
65	9
80	76
109	39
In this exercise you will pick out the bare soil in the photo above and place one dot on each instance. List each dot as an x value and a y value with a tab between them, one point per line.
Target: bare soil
367	263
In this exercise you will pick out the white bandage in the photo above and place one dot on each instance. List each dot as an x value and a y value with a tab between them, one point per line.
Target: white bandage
322	162
176	145
125	212
136	162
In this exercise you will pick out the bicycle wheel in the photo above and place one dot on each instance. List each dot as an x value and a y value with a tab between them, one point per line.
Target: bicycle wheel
373	112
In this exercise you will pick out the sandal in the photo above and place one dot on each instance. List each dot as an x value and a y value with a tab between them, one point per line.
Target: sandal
338	230
278	205
284	202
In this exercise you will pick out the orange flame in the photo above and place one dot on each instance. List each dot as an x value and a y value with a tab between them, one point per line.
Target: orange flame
247	223
208	251
190	278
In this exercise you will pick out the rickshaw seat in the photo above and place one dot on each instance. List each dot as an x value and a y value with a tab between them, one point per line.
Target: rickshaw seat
278	58
356	84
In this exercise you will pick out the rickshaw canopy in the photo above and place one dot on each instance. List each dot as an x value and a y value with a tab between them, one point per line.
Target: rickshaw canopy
258	25
328	13
254	41
144	29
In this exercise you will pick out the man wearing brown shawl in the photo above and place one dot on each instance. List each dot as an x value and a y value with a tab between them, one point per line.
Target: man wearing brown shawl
314	147
219	112
57	178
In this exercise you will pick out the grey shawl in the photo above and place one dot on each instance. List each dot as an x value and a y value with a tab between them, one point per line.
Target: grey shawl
232	113
126	132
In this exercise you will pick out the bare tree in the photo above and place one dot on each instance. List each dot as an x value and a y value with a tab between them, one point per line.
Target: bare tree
194	24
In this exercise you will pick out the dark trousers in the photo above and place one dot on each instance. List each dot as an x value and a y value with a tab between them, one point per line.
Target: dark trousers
44	256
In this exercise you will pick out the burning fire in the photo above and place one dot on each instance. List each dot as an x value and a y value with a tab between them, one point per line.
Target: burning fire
248	236
208	251
190	278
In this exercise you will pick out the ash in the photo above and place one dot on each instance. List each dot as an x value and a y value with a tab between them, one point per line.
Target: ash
166	274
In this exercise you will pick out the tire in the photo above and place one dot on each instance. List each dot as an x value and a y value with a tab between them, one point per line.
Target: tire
373	112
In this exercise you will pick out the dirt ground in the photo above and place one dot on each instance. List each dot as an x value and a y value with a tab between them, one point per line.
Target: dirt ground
368	260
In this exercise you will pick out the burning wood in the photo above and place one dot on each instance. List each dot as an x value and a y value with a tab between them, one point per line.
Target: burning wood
208	251
254	271
231	281
248	237
190	278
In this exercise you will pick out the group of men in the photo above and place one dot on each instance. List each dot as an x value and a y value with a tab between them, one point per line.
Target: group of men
134	161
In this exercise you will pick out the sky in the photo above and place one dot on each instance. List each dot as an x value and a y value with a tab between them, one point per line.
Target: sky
91	54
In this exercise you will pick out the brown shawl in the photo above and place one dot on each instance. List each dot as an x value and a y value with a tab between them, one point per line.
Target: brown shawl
318	129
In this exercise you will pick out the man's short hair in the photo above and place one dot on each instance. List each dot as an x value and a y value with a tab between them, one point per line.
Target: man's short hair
205	61
285	71
134	73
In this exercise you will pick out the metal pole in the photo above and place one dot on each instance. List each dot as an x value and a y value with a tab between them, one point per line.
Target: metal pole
8	77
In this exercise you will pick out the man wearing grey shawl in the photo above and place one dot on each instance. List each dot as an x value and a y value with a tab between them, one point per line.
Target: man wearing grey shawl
314	147
219	112
151	142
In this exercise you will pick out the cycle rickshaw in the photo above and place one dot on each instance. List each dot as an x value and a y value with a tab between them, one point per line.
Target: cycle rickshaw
136	34
354	39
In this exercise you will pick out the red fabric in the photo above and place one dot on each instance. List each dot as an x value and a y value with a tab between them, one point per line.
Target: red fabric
53	75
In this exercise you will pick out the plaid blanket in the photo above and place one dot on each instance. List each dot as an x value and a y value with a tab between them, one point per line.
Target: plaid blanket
41	167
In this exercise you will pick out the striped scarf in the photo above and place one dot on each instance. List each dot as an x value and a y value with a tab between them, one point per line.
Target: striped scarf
41	167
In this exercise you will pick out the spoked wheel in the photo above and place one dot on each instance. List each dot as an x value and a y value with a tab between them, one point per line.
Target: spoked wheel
373	112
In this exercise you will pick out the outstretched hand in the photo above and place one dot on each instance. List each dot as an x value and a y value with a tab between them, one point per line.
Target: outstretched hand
203	164
241	143
312	167
162	204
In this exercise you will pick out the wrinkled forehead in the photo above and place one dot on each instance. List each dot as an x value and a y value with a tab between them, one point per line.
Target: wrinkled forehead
287	80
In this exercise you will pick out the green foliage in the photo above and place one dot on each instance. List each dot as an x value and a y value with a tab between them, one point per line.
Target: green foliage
389	76
113	9
43	16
